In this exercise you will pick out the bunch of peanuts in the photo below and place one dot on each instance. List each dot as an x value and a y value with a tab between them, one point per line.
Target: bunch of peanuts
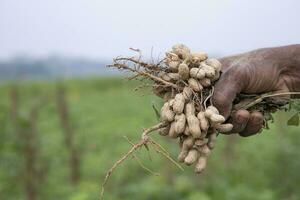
195	121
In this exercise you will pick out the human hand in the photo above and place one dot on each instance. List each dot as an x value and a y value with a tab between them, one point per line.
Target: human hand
263	70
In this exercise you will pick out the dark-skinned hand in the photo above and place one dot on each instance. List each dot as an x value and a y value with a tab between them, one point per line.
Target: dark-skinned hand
259	71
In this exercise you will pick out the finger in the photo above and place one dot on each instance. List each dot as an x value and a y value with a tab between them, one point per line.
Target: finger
226	89
239	120
254	125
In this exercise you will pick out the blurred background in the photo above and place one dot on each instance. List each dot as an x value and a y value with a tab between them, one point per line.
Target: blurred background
63	114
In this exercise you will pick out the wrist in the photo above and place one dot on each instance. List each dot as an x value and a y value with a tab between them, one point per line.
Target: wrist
291	67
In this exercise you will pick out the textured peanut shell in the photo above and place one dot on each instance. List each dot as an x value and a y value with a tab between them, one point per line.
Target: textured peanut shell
166	77
194	126
191	157
199	142
173	65
172	132
201	164
203	121
164	131
183	71
178	104
217	119
208	113
214	109
166	113
198	57
212	140
224	128
187	93
173	76
205	82
214	63
172	56
188	142
180	123
187	131
197	73
205	150
210	72
195	85
171	102
181	50
216	77
189	109
182	155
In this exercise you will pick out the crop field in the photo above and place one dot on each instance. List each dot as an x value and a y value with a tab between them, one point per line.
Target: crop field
101	113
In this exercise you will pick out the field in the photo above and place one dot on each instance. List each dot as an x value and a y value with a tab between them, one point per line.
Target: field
101	112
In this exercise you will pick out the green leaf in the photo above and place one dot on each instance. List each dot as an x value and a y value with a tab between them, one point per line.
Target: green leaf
294	120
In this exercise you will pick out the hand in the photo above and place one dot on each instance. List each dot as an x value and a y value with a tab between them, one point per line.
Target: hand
259	71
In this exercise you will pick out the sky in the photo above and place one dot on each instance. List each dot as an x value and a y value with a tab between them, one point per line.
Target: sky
99	29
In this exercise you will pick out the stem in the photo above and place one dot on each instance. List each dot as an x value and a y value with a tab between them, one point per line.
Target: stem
260	98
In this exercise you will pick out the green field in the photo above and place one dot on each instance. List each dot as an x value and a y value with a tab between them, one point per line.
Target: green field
102	111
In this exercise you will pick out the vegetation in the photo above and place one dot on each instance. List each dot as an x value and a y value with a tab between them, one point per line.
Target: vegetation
101	112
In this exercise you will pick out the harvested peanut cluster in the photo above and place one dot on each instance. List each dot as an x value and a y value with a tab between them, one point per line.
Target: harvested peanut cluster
185	81
188	111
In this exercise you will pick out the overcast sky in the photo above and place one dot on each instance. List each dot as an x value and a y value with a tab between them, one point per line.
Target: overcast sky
104	29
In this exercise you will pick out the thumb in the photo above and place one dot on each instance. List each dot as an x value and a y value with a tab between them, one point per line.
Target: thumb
226	90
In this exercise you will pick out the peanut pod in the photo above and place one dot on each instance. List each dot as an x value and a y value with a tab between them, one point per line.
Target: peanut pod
172	132
224	128
210	72
205	82
173	65
194	126
212	140
214	63
179	123
201	164
217	119
191	157
187	131
197	73
164	131
195	85
166	113
189	109
181	50
203	121
187	93
178	104
186	145
198	57
183	71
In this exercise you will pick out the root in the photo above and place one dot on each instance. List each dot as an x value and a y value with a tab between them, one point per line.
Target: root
136	69
162	151
139	161
145	140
